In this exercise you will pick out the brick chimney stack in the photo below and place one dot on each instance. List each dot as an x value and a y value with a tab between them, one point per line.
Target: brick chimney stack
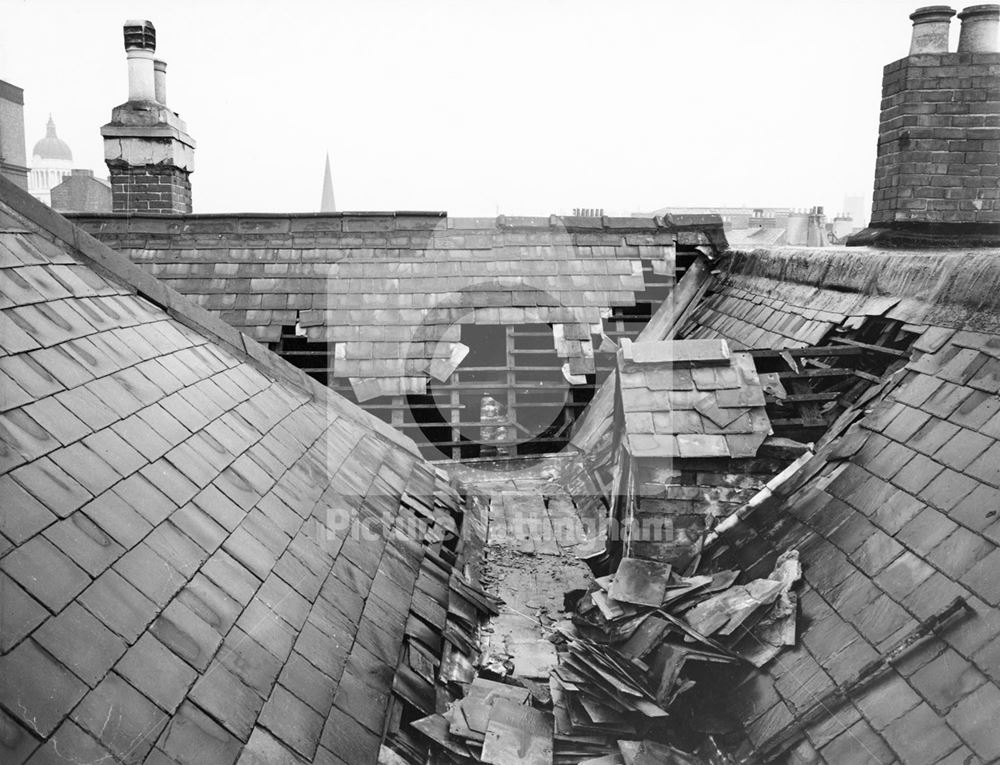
146	145
937	172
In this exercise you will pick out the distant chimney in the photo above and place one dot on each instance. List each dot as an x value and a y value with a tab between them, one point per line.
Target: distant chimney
938	162
146	145
160	81
980	27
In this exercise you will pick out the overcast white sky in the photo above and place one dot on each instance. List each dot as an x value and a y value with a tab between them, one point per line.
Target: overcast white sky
479	107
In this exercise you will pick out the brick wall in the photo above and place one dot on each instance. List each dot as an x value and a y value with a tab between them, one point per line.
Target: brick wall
939	140
152	189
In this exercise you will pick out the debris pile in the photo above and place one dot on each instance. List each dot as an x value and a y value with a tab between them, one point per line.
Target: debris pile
644	633
639	640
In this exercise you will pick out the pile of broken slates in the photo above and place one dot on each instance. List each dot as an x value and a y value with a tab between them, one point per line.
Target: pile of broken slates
624	661
641	631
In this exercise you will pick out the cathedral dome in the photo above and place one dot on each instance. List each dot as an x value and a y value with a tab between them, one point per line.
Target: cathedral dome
52	146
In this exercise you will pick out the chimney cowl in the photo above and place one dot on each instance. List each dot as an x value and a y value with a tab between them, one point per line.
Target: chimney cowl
980	29
140	34
931	26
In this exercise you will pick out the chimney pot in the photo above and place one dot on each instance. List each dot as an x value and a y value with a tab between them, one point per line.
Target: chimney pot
980	27
931	25
140	43
160	81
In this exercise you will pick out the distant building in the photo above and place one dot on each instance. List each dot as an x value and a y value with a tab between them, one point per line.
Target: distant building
81	192
51	162
13	164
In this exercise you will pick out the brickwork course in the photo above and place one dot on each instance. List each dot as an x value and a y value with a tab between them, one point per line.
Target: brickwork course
152	189
939	140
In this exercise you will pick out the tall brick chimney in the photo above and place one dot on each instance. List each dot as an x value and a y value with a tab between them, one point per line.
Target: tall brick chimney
937	172
146	145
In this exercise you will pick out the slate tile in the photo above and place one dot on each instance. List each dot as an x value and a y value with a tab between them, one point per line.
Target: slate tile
962	449
876	553
150	574
986	467
19	613
142	437
81	642
265	749
984	578
86	468
224	696
250	552
251	662
858	744
887	700
24	438
292	721
880	619
284	601
326	653
916	474
175	547
168	480
16	743
157	672
291	569
926	530
903	575
308	683
219	507
57	420
117	518
70	745
948	489
88	407
199	527
978	509
45	572
194	737
23	516
920	736
235	580
932	436
348	739
119	605
85	542
946	680
182	631
37	690
121	719
210	603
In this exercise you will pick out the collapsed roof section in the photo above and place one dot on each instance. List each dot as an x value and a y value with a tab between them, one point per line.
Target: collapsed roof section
204	553
792	298
690	399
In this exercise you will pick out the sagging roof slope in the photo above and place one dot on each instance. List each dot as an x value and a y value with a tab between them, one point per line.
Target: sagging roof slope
178	566
690	399
393	289
894	518
791	298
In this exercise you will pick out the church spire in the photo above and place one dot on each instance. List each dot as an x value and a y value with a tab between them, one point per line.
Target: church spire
327	204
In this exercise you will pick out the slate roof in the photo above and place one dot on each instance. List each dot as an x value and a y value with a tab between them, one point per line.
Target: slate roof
792	298
392	289
177	576
690	399
894	518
